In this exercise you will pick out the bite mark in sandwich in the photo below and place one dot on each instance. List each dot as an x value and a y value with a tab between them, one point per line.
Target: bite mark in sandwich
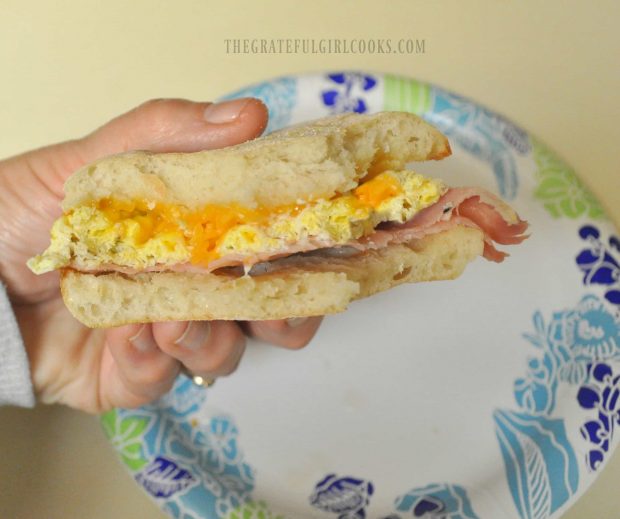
300	222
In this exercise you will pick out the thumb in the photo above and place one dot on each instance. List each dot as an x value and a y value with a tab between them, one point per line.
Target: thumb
165	125
159	125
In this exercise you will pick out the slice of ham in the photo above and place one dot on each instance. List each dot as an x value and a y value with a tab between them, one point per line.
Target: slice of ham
469	207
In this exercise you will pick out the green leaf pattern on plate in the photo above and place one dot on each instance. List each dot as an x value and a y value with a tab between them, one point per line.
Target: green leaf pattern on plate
252	510
406	94
126	435
561	192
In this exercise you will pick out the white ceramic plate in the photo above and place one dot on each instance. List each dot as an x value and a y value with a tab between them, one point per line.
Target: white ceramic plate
492	396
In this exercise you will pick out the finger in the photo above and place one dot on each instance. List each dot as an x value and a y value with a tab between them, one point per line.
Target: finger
206	348
290	333
141	372
163	125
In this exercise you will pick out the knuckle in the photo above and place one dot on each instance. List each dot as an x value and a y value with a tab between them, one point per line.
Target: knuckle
156	114
152	104
153	375
222	360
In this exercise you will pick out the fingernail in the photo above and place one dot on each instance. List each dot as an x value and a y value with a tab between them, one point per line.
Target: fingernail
195	335
225	112
143	339
296	321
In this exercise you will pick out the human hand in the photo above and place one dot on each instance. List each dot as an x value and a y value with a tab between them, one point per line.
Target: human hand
96	370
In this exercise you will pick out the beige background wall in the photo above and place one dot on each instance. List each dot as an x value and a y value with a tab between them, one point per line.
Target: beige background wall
68	66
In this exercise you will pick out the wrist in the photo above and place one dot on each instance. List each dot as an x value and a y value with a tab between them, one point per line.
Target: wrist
15	383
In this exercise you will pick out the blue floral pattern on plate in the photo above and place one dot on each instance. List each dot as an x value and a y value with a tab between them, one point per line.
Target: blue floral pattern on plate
347	497
541	466
163	477
600	263
567	346
602	394
193	469
436	501
540	462
347	92
211	454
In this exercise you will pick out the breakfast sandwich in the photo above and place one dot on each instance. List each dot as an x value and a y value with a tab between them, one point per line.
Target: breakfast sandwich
297	223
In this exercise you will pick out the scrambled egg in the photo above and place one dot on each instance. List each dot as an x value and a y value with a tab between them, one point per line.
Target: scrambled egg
138	234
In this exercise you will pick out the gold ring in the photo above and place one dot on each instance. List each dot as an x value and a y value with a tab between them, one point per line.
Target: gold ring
202	381
197	379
